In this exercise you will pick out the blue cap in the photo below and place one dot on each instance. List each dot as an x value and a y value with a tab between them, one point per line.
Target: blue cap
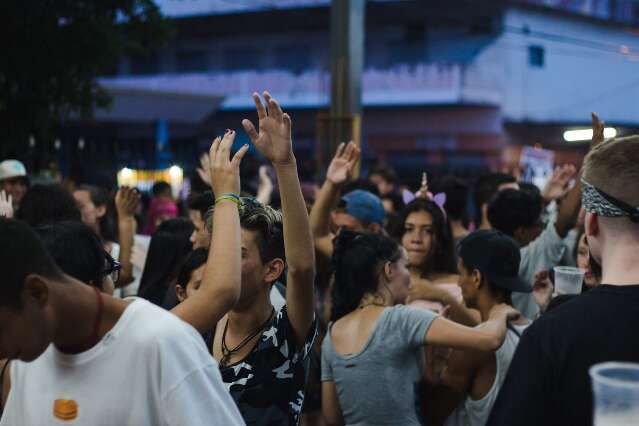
364	206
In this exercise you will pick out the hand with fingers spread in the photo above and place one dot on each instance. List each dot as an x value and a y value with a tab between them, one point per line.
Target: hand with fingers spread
558	185
203	170
273	139
597	130
6	205
224	170
126	202
340	171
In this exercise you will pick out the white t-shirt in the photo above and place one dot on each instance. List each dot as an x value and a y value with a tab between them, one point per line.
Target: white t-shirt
150	369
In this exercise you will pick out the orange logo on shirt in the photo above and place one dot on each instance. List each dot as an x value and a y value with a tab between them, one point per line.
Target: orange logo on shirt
65	409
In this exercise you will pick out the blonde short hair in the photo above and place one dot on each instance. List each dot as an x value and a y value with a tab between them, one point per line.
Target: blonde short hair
613	167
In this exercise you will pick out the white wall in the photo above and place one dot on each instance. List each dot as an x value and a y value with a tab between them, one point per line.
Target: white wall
576	78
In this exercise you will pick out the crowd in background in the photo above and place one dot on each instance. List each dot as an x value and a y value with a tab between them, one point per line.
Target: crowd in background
360	301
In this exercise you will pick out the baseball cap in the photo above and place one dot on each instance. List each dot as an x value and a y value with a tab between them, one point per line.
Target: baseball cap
11	169
497	256
364	206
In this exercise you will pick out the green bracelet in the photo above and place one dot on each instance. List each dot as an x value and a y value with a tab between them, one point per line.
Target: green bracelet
230	194
232	198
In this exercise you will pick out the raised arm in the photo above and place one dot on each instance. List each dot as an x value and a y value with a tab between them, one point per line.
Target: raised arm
274	141
126	203
570	206
339	172
221	283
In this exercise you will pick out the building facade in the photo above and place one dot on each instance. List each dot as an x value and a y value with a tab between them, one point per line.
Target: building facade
447	86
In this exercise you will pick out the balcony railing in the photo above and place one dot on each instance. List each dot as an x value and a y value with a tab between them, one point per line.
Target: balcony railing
400	85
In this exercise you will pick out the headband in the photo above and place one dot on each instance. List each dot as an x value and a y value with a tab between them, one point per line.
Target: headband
598	202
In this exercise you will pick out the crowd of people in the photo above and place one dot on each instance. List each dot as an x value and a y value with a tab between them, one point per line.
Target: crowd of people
363	302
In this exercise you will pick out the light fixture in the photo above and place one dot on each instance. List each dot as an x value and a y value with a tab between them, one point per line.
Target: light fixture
126	173
175	172
580	135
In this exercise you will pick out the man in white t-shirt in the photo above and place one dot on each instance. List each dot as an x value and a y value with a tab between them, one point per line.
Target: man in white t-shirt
86	358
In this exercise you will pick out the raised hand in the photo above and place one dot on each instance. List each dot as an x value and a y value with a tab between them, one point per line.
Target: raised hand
6	205
597	130
264	187
224	171
203	170
274	137
340	171
423	188
126	202
557	185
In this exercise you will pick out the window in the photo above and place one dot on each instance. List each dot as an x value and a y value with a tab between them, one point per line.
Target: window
536	56
242	58
191	60
147	64
296	58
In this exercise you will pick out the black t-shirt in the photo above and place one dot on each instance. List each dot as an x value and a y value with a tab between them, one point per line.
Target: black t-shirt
548	381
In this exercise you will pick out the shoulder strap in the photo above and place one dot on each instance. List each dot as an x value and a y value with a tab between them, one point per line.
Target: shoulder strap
514	330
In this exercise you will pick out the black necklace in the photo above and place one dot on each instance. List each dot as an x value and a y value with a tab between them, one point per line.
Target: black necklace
228	353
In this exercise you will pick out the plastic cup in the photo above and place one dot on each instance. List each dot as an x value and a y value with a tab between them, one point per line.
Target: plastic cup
568	280
616	393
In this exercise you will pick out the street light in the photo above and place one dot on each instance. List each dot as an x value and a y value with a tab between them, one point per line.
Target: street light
580	135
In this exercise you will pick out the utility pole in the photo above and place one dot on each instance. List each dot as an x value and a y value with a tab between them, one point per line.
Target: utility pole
343	122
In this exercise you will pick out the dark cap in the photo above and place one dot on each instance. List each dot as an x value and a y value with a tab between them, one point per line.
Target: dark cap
496	256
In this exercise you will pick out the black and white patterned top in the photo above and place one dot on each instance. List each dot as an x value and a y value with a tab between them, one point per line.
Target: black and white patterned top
268	384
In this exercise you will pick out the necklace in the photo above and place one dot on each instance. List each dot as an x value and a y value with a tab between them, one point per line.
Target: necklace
96	328
228	353
371	304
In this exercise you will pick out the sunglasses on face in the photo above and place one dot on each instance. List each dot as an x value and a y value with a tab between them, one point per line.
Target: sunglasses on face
112	268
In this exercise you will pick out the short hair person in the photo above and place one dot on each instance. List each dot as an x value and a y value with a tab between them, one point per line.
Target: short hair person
550	366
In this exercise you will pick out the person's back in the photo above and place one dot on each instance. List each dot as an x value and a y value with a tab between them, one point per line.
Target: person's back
595	327
550	367
377	383
149	369
475	412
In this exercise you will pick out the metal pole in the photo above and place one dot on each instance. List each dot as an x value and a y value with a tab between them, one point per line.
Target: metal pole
343	123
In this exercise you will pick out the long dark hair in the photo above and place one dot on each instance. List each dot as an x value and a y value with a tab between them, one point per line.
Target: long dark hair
170	243
100	197
357	259
46	204
441	258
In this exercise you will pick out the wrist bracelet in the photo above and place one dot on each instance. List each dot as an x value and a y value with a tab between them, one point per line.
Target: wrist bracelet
230	197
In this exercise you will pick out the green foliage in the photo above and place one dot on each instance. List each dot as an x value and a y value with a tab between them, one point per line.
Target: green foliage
51	52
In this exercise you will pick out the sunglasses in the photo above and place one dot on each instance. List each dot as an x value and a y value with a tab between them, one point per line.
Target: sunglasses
113	268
